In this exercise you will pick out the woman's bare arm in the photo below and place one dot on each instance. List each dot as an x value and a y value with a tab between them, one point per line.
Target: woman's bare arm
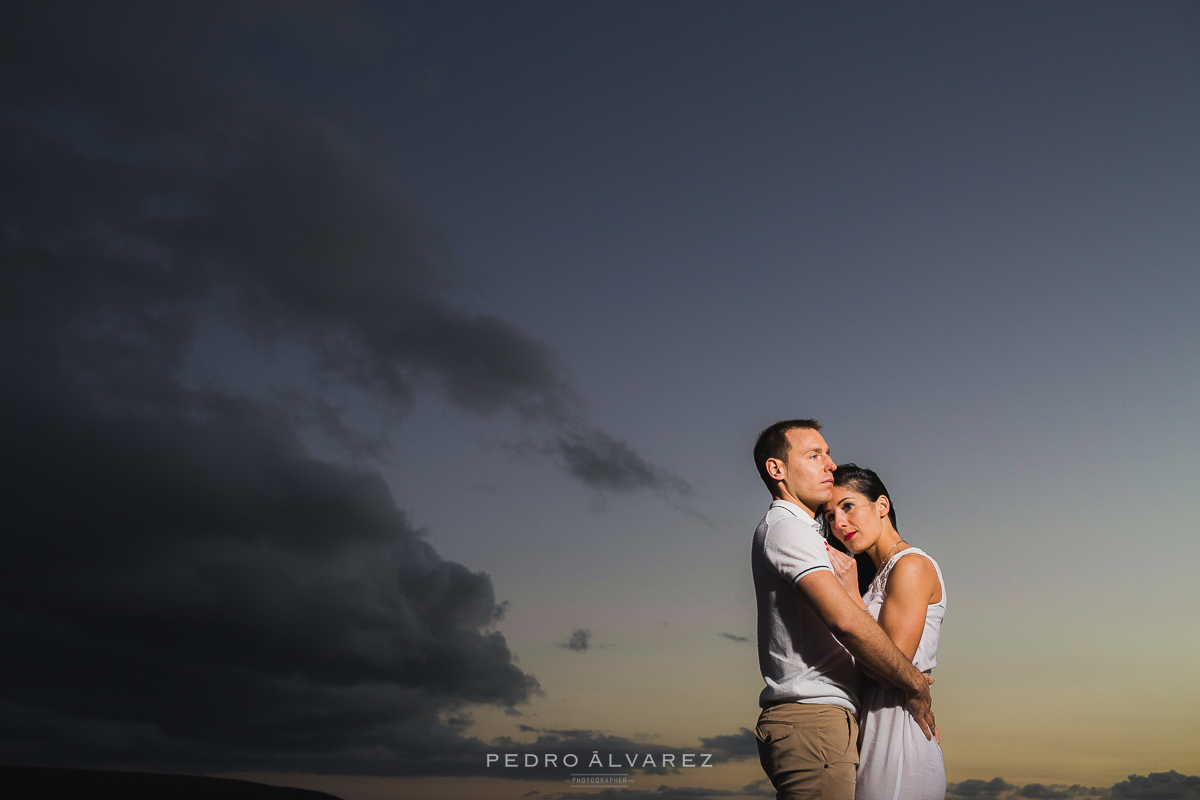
911	586
855	629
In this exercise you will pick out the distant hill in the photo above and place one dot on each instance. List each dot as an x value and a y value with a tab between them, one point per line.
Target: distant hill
43	783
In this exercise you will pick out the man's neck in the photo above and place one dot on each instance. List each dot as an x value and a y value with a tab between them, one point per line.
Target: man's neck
784	494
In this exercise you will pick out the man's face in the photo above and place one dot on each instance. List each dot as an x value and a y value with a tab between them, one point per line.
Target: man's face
808	471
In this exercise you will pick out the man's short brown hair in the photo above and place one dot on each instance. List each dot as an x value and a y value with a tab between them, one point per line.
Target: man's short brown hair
773	443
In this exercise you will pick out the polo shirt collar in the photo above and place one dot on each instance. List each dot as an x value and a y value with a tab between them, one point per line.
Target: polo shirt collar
797	511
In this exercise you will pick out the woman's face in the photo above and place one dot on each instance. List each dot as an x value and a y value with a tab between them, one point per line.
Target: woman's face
854	519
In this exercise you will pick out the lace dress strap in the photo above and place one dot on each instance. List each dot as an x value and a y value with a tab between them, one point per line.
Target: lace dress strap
886	570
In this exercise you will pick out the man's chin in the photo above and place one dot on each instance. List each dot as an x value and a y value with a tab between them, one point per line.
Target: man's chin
818	502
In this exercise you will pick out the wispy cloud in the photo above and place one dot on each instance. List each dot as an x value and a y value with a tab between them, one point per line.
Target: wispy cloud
578	641
734	638
732	746
978	788
599	460
604	463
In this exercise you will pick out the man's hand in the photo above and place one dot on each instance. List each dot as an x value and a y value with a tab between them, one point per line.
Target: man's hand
920	705
867	642
846	570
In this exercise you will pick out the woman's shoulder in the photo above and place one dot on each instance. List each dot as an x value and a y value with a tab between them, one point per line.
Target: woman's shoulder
907	568
922	557
916	575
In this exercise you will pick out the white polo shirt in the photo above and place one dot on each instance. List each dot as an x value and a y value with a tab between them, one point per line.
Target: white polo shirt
800	659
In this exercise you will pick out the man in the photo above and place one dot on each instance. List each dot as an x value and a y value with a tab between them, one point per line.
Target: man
810	631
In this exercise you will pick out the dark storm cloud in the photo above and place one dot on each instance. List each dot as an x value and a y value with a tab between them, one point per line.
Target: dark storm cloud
186	586
578	641
143	187
183	584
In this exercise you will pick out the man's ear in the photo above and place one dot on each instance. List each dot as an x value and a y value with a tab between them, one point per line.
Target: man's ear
884	504
776	469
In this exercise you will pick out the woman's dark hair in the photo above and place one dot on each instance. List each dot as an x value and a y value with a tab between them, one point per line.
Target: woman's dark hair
866	483
866	567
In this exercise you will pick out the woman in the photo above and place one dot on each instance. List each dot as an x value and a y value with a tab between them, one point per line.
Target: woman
907	598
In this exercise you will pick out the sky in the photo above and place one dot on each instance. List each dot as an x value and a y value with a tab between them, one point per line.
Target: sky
381	378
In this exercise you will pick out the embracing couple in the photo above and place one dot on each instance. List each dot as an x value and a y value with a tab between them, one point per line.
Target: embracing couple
846	709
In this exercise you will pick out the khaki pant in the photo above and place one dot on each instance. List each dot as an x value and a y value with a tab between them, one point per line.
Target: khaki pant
808	751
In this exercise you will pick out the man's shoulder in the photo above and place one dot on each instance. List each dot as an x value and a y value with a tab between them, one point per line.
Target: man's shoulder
782	520
787	542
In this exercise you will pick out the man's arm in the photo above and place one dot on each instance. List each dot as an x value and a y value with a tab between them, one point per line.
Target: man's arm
867	642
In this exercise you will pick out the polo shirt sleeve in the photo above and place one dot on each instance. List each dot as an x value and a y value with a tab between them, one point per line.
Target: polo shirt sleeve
794	549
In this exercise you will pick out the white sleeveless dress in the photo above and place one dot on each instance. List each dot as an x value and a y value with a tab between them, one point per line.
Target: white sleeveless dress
896	761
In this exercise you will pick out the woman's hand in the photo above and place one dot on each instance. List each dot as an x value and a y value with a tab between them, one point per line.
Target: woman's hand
846	570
